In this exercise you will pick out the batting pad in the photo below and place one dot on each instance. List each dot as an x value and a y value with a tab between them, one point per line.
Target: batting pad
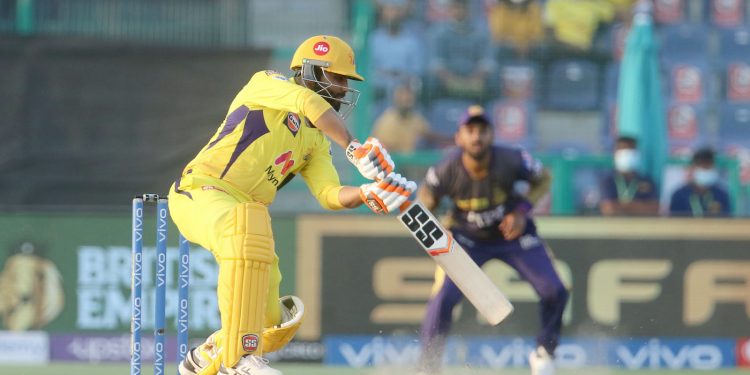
245	260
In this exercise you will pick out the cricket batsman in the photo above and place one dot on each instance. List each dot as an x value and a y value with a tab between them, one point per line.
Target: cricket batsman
492	189
275	128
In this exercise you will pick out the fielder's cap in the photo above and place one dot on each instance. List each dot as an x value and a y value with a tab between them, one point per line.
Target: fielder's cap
474	114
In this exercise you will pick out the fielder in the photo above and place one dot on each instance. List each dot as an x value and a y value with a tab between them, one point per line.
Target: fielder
492	189
275	128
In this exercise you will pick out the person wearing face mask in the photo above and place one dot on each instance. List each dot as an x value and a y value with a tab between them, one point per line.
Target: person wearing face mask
701	196
626	192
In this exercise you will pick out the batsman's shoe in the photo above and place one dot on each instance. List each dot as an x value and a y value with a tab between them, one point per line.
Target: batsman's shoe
541	362
250	365
193	363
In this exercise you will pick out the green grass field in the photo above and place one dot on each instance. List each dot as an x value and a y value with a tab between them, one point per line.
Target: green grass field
298	369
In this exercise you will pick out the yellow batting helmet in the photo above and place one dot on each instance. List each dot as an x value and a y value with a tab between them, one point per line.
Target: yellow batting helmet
330	53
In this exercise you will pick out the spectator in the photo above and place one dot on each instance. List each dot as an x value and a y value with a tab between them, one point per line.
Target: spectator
395	52
461	60
626	192
701	196
574	23
401	127
516	24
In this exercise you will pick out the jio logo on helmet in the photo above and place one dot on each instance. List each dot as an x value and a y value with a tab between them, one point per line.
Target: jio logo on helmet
321	48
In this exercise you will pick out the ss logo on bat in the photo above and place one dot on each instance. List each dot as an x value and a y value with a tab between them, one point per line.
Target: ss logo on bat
419	223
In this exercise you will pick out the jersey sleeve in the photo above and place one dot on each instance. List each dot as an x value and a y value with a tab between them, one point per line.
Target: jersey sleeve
273	90
321	177
436	180
530	168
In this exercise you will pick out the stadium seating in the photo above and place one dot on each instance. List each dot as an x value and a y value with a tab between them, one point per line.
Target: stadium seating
667	12
688	81
734	125
736	81
444	114
611	81
568	148
734	44
686	128
573	84
683	42
519	80
514	122
724	13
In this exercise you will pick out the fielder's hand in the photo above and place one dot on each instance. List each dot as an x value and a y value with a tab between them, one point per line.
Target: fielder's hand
371	159
387	195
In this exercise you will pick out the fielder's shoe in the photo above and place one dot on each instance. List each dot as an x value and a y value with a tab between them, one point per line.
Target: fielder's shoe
250	365
193	363
541	362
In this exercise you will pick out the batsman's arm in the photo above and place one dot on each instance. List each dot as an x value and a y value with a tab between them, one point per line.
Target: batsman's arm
349	197
331	124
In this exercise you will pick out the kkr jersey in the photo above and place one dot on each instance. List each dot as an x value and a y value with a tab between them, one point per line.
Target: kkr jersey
267	138
479	205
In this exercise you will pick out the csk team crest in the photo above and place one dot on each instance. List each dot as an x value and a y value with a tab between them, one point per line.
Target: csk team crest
293	123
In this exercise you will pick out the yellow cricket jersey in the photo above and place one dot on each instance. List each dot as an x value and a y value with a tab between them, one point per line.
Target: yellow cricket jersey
266	139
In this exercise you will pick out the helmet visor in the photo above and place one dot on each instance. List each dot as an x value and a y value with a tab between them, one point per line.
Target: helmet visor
342	98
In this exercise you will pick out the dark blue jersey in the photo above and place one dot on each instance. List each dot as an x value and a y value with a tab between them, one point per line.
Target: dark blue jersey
478	205
686	201
617	187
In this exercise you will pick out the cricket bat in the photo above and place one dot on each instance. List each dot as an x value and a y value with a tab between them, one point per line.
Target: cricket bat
452	258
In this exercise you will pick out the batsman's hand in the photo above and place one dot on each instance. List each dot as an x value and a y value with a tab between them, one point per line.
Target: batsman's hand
387	195
371	159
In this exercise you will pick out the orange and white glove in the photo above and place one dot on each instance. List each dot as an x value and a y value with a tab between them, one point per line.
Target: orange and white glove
387	195
371	159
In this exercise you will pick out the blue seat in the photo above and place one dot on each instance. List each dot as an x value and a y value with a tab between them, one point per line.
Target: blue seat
682	42
519	80
735	81
514	122
688	81
444	114
724	13
573	85
734	125
568	148
611	81
734	44
667	12
686	128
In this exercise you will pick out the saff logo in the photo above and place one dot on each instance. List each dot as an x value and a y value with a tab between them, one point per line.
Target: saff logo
321	48
250	342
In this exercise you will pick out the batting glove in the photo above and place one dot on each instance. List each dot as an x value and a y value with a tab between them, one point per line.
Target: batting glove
388	194
371	159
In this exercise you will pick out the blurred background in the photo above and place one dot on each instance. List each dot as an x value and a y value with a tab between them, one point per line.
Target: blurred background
101	100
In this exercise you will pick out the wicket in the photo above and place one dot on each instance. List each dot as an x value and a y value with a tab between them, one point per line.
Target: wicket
162	215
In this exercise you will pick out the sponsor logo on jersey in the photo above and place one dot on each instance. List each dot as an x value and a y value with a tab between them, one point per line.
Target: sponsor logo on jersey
321	48
275	75
250	342
211	187
292	122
